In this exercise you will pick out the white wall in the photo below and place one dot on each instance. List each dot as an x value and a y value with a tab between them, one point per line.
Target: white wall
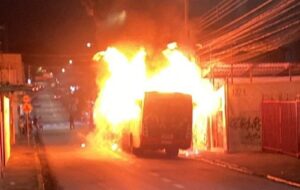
244	109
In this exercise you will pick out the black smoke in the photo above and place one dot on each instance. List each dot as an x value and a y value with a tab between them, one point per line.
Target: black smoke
150	23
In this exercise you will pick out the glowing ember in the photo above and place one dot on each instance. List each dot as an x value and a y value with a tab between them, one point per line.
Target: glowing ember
82	145
122	91
187	154
114	146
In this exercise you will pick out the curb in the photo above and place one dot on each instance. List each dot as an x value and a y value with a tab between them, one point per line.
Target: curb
45	177
249	172
40	179
280	180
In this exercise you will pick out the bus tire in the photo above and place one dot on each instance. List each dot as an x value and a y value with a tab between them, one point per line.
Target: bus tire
172	152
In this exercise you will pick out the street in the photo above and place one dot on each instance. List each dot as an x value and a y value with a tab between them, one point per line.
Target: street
69	162
76	167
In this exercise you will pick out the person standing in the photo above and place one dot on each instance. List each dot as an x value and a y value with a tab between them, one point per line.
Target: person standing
40	123
71	120
35	122
21	124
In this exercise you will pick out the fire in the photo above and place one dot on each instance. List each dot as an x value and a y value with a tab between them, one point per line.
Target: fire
122	90
117	99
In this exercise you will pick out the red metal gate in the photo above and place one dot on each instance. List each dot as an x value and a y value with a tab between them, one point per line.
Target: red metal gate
271	126
281	126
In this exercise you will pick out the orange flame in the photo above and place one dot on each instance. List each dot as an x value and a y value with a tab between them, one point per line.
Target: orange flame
121	93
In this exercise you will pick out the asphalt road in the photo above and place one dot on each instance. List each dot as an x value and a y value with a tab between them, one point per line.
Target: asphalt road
68	166
74	167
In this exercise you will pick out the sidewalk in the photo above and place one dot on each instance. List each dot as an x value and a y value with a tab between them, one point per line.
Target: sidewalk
23	168
272	166
27	168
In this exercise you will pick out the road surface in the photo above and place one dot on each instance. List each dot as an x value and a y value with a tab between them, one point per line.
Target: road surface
75	167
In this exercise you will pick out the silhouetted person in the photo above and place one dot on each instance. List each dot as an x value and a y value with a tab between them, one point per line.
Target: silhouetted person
40	124
71	120
35	122
22	125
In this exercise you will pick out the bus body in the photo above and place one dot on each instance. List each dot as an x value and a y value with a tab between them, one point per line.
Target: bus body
165	123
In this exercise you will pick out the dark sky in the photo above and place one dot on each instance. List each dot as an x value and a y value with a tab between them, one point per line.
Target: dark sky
38	27
59	28
45	26
54	26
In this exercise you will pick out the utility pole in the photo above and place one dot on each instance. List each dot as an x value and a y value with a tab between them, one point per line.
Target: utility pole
1	60
1	50
186	18
29	74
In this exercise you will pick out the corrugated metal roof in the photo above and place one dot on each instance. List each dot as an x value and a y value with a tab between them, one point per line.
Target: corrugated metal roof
254	69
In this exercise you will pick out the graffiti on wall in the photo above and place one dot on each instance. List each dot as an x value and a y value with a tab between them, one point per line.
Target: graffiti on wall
238	92
249	129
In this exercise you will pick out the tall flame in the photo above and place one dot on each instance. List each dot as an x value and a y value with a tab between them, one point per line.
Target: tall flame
122	92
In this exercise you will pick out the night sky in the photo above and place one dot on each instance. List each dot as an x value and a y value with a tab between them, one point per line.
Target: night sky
55	26
45	27
39	28
62	27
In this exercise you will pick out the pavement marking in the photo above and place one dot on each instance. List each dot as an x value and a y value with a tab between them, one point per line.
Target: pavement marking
167	180
226	165
179	186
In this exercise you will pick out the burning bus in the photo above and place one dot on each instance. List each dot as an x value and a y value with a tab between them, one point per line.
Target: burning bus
166	107
166	123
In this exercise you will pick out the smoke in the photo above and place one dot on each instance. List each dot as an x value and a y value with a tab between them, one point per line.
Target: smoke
151	23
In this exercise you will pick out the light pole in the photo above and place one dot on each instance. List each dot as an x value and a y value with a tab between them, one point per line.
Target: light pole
186	17
1	48
88	44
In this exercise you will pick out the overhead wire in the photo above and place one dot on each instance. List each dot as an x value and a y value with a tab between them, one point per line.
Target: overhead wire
265	27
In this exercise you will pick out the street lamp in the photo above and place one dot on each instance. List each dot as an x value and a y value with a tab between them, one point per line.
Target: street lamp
88	44
63	70
70	61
